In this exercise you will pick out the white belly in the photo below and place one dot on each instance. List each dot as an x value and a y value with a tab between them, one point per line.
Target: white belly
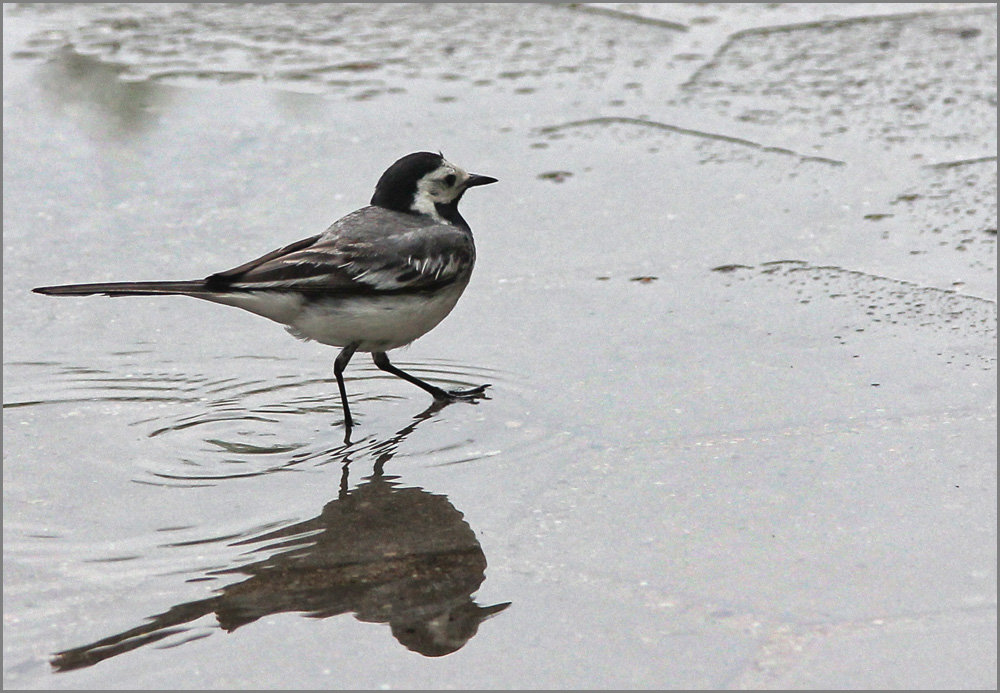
374	323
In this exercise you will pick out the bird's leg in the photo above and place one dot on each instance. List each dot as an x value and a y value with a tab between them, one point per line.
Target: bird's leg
382	361
338	369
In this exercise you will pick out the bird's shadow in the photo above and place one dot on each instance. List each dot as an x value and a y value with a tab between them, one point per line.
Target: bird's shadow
383	551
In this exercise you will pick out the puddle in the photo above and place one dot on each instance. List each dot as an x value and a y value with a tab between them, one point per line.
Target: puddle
675	473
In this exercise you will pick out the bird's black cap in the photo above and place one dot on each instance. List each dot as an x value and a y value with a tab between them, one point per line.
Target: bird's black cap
397	185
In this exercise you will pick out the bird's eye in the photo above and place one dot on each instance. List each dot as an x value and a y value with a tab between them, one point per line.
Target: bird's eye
450	179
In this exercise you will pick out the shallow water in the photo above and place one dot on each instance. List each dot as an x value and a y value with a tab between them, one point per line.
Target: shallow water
741	429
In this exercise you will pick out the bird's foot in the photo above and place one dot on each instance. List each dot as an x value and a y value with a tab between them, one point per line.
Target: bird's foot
467	395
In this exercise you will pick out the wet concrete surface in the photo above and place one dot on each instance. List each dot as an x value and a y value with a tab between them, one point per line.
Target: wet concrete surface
736	296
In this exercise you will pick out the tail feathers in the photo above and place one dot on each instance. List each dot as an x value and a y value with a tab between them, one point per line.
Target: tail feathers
195	287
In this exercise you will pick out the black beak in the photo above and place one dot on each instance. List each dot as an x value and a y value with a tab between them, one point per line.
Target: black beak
475	180
486	612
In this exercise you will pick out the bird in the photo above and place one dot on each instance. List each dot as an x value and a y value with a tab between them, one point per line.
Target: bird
376	280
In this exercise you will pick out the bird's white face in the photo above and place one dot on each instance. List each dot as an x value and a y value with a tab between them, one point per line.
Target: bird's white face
443	185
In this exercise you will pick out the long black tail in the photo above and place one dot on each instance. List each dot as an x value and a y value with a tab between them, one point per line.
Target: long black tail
188	288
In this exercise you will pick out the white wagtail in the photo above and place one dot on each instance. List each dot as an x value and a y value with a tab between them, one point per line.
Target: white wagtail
376	280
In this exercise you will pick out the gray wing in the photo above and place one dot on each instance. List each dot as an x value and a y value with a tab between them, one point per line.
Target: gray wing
369	251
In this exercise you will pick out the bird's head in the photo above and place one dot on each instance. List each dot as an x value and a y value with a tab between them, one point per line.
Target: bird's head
428	184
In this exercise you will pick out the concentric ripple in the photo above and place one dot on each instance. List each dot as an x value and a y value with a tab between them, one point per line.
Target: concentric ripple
207	428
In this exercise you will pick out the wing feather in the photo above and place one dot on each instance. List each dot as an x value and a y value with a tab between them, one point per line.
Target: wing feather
369	251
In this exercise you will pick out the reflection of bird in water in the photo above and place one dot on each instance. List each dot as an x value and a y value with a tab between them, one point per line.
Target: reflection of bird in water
384	552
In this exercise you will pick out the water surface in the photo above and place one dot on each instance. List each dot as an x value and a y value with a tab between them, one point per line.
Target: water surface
735	298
